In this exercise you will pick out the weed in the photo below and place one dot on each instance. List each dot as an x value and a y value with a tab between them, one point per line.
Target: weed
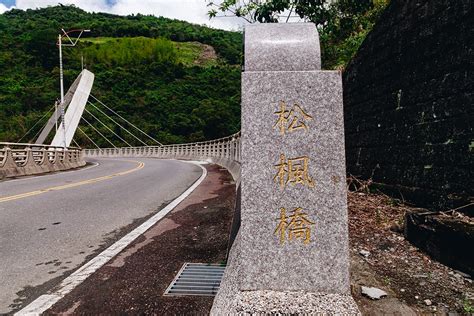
467	306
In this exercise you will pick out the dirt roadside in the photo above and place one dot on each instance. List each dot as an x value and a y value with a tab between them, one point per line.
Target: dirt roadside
382	258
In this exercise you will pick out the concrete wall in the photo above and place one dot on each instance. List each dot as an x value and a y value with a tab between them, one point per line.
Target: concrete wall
408	96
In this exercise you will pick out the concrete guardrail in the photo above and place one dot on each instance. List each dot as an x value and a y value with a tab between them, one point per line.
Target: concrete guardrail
223	151
17	159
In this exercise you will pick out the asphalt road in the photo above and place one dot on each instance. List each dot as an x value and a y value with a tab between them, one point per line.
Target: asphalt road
52	224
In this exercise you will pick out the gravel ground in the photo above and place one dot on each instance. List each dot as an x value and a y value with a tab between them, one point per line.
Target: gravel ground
292	303
134	281
411	278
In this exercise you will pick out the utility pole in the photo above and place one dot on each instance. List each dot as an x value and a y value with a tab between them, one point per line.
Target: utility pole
61	82
61	74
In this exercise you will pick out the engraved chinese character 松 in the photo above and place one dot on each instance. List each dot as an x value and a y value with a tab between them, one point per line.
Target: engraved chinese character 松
291	120
293	171
295	226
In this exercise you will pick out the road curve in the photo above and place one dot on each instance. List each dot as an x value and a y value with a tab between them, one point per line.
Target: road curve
50	224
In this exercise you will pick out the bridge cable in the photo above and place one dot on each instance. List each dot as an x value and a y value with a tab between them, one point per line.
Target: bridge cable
88	137
75	143
127	121
117	123
107	127
95	129
37	124
39	131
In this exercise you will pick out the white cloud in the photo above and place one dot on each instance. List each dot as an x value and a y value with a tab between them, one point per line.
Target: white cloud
194	11
3	8
88	5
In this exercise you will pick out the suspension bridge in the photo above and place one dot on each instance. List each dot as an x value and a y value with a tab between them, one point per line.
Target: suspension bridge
61	219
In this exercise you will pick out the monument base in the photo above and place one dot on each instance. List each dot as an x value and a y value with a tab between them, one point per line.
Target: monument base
288	303
230	300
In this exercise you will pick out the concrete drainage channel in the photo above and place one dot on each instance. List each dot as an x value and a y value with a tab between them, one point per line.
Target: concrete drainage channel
197	279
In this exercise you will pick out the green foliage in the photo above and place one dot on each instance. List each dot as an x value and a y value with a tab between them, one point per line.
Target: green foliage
133	50
192	53
150	70
344	32
467	306
130	51
342	24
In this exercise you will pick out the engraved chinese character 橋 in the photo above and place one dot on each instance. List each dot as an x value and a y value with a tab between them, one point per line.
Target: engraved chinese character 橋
291	120
296	226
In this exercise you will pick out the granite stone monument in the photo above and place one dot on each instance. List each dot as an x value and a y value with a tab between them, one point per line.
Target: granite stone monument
291	254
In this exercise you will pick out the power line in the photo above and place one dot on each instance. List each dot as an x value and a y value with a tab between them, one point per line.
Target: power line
127	121
36	124
95	129
88	137
108	128
117	123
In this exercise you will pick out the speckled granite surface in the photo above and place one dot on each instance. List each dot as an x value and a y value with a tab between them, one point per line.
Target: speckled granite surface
322	264
282	47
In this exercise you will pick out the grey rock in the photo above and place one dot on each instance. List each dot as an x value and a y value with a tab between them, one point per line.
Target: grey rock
364	253
428	302
422	275
464	275
373	292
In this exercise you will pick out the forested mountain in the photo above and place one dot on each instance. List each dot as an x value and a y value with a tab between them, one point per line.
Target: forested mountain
178	81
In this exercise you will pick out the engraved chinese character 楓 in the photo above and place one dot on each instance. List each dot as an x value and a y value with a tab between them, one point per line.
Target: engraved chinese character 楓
293	171
291	120
295	226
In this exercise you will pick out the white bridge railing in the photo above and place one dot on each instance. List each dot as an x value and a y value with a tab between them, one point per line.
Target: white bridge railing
28	159
17	159
223	151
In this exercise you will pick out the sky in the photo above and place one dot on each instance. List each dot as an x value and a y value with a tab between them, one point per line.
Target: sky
194	11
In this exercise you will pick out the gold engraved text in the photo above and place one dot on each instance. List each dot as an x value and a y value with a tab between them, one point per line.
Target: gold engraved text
297	226
291	120
293	171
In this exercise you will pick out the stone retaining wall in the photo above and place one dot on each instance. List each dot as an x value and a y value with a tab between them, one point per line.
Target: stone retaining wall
408	97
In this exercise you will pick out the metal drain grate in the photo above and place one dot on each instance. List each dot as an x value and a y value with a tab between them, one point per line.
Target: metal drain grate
197	279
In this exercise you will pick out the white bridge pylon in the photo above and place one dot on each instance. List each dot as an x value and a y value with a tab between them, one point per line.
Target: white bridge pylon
75	109
75	102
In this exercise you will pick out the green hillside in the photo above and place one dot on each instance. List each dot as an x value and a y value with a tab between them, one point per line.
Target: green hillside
178	81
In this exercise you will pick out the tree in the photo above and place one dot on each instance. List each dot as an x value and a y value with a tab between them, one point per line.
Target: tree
319	12
42	45
272	11
342	24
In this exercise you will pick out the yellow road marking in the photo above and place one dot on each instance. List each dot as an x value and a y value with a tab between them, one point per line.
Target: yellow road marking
70	185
